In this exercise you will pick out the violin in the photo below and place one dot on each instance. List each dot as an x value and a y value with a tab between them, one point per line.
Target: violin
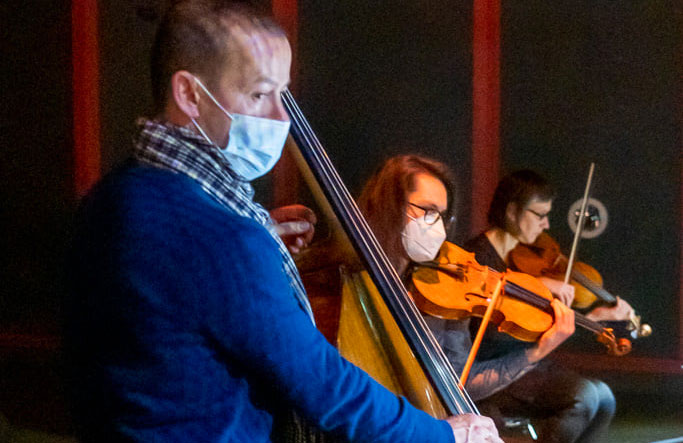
455	286
544	258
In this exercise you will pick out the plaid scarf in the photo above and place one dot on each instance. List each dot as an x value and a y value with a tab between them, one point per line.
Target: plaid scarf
179	149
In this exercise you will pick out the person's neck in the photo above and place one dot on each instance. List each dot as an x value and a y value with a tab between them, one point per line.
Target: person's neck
174	115
502	241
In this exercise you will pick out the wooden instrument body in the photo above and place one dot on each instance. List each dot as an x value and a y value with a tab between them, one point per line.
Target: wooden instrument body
544	259
369	337
455	286
351	314
363	327
460	287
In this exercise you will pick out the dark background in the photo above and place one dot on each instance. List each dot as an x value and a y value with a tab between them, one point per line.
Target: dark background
581	81
600	82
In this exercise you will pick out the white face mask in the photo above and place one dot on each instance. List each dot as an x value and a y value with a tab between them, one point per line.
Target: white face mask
421	240
254	143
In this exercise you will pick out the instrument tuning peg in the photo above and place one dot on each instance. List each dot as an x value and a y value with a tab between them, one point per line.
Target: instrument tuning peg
644	330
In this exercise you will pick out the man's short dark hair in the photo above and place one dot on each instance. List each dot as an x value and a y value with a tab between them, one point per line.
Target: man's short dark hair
194	35
520	188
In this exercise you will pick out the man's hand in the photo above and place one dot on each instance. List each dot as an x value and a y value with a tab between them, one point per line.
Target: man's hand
470	428
621	311
294	224
562	329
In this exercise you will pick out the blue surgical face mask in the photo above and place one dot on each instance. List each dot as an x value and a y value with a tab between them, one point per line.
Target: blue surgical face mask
254	143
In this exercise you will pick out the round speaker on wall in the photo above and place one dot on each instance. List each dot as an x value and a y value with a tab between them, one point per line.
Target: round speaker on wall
595	218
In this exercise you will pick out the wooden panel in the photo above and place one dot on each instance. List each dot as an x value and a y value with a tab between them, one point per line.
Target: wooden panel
86	94
485	109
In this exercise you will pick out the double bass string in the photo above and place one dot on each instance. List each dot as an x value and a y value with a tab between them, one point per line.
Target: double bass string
442	373
358	220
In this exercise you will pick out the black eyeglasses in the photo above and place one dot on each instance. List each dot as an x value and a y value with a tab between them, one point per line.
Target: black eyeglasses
432	215
540	216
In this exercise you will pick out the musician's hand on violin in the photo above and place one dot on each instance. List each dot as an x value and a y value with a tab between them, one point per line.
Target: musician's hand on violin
564	292
295	225
562	329
621	311
471	428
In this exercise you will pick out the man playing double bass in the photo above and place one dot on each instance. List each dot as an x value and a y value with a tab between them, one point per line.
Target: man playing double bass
188	321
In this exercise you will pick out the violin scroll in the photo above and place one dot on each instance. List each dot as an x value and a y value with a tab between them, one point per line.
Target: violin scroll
616	347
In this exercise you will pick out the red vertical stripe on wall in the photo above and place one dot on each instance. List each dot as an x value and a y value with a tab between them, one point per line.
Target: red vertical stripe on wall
286	177
485	108
86	106
286	12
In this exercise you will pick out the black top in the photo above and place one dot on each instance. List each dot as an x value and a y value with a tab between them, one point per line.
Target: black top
485	253
495	344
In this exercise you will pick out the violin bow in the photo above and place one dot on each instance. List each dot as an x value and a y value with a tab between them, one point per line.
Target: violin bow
480	333
579	225
640	330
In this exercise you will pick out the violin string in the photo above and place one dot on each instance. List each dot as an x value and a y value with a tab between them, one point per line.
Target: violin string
593	287
590	283
544	304
354	216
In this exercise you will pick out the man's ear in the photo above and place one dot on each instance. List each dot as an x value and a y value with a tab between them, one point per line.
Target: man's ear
185	94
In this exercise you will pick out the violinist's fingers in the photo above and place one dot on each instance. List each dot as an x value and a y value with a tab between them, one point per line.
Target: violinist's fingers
561	297
559	289
566	294
625	309
621	311
564	318
562	328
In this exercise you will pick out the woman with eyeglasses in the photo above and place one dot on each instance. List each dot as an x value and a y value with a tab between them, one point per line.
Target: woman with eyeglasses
583	407
519	213
408	203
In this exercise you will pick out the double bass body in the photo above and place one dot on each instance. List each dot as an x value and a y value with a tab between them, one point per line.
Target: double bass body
380	328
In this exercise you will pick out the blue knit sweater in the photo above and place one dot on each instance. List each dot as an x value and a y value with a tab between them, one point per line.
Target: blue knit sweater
183	327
